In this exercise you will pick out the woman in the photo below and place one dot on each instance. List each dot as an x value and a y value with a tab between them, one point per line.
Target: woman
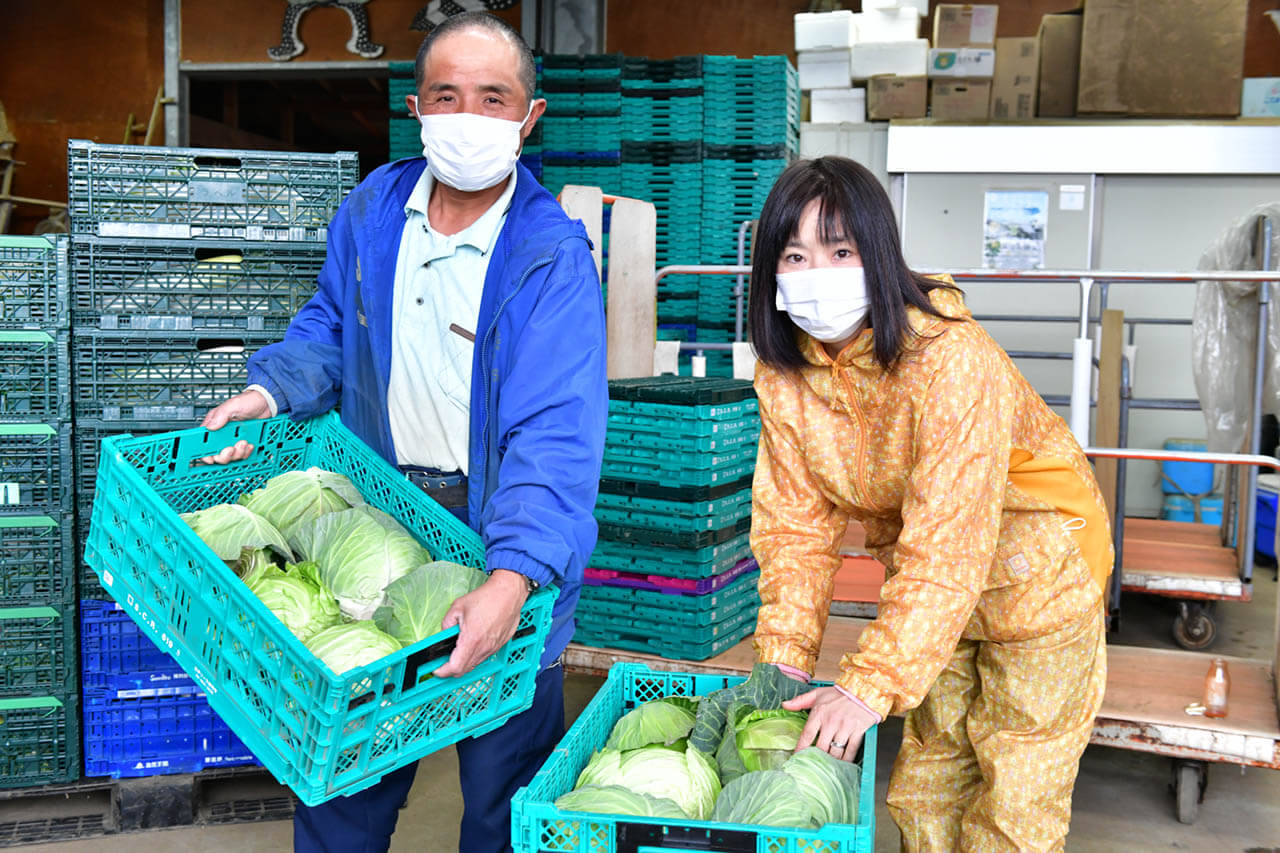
884	402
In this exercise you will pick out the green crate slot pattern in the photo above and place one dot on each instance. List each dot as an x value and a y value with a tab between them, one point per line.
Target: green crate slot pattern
35	382
164	377
539	827
650	637
41	737
184	193
667	516
37	650
678	460
37	560
700	614
688	563
35	469
33	282
315	730
168	285
676	538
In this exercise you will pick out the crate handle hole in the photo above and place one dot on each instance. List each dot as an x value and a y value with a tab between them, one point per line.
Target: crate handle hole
220	256
228	163
234	345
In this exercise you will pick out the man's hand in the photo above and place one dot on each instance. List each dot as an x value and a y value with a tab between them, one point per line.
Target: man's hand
245	406
486	618
836	723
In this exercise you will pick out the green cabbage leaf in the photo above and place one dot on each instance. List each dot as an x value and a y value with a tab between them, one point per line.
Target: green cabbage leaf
678	773
765	797
416	603
230	528
662	721
296	498
615	799
351	644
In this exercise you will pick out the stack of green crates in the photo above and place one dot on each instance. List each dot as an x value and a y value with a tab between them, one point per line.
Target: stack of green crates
403	129
672	572
582	127
39	689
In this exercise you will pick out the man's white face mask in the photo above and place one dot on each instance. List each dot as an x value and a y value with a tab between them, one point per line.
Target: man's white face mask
828	303
470	152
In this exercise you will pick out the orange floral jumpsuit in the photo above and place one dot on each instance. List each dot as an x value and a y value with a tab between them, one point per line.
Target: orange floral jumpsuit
985	512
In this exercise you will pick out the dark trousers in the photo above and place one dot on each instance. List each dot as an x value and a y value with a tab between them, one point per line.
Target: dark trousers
491	768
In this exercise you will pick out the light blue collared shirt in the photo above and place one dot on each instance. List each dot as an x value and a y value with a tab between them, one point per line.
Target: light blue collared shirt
438	284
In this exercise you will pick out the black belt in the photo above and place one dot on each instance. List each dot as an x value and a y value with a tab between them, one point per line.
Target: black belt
447	488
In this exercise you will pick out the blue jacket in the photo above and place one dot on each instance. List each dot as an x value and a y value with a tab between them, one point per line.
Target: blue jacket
539	397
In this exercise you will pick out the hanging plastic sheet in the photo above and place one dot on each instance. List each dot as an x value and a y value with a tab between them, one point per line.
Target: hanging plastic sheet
1224	334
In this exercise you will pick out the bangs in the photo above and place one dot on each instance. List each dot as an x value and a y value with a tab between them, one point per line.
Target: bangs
835	220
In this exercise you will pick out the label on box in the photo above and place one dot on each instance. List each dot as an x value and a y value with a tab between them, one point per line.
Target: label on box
962	62
1260	97
964	25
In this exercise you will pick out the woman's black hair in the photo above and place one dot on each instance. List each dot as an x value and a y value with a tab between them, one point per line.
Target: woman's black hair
853	206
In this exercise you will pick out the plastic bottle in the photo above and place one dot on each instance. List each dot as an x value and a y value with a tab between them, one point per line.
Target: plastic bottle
1217	684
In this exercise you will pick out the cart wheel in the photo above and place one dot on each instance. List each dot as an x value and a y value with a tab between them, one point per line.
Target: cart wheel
1188	788
1193	627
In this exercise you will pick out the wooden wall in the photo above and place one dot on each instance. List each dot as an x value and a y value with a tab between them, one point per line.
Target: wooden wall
73	70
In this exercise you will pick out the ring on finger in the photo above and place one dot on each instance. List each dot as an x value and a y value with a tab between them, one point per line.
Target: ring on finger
834	745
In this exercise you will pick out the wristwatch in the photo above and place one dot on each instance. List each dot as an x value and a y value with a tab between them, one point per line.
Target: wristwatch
531	584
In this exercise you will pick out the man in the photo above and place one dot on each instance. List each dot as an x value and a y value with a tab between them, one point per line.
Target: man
459	327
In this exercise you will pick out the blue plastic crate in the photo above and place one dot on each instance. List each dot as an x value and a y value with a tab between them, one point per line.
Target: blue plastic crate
153	736
320	733
1265	531
537	826
33	282
116	655
199	193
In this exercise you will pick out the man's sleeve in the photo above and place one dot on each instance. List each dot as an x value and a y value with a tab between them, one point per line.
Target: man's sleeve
551	417
303	372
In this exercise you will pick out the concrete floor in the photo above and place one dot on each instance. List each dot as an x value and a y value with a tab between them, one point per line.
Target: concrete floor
1122	799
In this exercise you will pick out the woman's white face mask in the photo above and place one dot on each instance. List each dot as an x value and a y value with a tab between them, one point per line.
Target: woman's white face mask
470	152
827	303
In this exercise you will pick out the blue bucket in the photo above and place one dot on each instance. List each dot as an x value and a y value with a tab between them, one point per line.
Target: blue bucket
1179	508
1186	478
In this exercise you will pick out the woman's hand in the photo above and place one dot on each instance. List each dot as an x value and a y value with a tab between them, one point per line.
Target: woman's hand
836	723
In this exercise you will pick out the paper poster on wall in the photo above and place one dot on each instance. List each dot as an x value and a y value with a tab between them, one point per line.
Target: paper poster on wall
1014	228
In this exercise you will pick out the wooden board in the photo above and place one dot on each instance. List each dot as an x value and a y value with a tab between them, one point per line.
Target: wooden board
1148	691
1107	422
1181	570
859	579
1172	532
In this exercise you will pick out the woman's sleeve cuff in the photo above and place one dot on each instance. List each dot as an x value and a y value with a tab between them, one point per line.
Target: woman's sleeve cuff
863	705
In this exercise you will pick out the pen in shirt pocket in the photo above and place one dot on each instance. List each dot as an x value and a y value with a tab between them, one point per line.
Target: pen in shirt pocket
461	332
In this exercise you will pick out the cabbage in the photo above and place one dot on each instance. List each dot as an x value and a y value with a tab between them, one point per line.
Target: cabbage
766	797
615	799
296	596
662	721
828	785
360	551
766	739
681	774
416	603
229	528
296	498
350	645
253	562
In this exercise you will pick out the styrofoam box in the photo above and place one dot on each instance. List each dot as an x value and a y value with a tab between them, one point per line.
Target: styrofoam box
921	6
833	106
896	24
906	58
824	69
819	30
962	62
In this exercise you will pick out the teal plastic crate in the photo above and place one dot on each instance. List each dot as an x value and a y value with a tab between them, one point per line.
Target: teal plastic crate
320	733
678	460
694	563
620	511
641	431
41	737
657	638
693	612
537	826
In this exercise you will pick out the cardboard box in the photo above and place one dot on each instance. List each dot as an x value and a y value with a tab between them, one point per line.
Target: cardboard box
1016	82
897	97
896	24
959	100
824	69
1059	64
836	106
816	31
1261	97
962	62
1162	57
907	58
965	25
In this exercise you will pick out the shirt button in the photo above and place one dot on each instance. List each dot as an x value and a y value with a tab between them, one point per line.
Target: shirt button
418	300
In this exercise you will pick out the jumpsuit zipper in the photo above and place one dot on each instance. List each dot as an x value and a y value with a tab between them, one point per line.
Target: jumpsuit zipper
860	473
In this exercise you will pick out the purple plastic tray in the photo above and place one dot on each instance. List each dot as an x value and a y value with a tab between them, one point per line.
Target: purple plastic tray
669	586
